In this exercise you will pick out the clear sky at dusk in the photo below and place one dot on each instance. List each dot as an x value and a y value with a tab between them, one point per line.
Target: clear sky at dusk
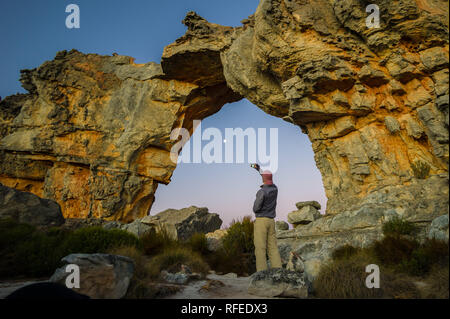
31	32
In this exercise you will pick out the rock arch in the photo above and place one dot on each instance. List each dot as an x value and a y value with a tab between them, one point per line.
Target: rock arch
93	133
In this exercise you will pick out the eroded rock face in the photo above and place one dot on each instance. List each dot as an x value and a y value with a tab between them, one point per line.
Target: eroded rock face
93	133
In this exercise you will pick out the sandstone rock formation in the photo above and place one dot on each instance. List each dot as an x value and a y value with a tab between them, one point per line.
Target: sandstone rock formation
102	276
279	282
305	214
312	203
93	132
136	227
183	223
281	225
439	228
28	208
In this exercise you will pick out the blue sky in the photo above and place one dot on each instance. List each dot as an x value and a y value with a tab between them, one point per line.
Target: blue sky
31	32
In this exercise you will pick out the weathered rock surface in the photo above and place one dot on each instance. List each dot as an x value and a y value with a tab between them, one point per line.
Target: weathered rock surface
281	225
183	223
304	216
214	239
28	208
279	282
439	228
312	203
93	132
102	276
136	227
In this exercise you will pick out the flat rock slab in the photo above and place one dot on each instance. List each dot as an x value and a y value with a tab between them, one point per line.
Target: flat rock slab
304	215
279	282
312	203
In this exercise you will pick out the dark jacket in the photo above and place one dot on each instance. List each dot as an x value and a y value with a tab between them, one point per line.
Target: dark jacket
266	201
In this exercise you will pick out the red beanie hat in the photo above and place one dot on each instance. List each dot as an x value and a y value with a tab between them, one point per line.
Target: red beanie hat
267	177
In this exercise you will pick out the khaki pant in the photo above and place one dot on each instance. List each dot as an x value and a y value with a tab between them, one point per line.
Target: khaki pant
265	243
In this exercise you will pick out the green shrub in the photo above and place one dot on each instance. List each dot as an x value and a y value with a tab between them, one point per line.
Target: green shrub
141	283
438	282
397	226
12	232
423	258
393	250
346	278
420	169
399	258
140	260
198	243
344	252
239	237
155	242
238	252
27	252
96	239
172	259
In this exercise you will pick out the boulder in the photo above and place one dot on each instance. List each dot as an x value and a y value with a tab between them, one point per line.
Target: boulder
279	282
312	203
28	208
281	225
183	223
179	278
214	239
136	227
102	276
304	216
439	228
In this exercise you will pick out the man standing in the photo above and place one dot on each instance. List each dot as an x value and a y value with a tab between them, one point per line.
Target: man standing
264	228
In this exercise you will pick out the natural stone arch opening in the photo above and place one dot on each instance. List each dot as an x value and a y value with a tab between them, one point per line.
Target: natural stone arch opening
93	133
228	189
